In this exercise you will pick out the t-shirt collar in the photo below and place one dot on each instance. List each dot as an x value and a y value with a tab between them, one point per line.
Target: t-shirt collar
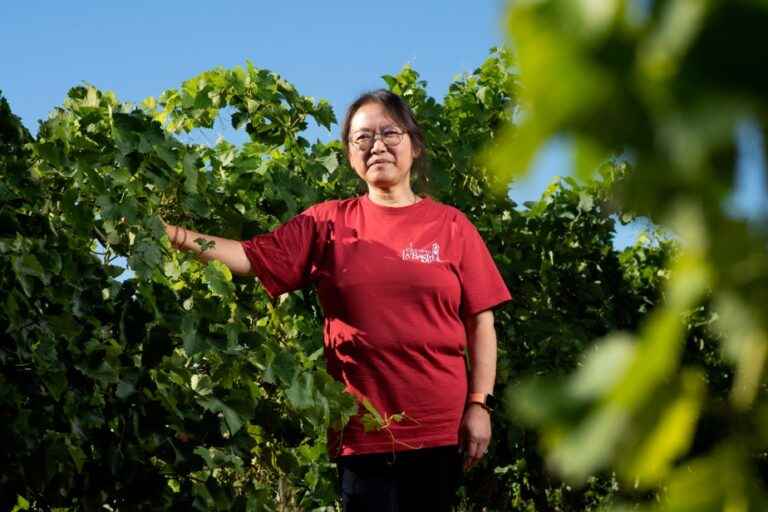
394	210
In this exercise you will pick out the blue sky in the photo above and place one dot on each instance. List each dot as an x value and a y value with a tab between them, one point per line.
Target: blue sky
333	50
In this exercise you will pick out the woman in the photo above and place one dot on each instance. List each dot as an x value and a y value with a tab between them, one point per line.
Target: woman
406	283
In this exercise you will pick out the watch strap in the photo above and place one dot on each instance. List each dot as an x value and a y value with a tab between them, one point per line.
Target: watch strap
480	399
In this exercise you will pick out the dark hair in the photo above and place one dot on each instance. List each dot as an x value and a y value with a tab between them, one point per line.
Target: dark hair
402	114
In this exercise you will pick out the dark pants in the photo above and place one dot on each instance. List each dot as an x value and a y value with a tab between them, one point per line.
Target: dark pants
420	480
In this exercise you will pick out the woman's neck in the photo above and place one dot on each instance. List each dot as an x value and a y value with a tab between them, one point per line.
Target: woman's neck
396	196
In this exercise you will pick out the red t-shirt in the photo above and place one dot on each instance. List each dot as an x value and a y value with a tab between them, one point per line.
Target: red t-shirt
394	284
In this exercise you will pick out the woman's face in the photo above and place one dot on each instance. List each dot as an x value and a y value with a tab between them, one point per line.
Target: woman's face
380	166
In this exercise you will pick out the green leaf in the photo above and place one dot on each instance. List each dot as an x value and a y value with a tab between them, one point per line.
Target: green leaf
324	114
146	256
56	383
540	400
231	418
218	278
745	343
104	373
194	340
602	368
370	423
124	389
588	446
330	162
204	452
189	164
92	97
77	454
586	202
654	359
482	95
65	325
29	265
301	392
373	419
21	504
713	482
671	437
284	367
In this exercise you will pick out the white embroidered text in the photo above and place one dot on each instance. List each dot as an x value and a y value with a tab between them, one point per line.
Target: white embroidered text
430	255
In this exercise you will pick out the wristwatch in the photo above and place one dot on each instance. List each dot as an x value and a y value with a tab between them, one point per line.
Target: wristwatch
486	400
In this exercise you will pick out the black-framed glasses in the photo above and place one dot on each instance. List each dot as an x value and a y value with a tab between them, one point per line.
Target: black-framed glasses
364	141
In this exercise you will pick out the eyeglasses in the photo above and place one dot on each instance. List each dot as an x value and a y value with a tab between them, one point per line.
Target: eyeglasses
365	140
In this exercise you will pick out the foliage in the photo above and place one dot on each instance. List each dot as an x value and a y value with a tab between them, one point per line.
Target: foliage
183	387
667	83
180	387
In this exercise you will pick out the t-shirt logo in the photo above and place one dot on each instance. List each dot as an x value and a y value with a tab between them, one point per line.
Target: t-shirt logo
428	255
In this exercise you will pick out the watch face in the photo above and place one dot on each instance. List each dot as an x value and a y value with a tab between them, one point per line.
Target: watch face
490	401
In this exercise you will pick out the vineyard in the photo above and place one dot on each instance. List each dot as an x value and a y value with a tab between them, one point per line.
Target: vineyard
629	378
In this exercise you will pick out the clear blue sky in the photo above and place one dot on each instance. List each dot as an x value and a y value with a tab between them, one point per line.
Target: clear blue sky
332	50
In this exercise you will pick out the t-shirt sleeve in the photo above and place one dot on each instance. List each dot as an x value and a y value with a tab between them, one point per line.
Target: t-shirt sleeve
286	258
482	286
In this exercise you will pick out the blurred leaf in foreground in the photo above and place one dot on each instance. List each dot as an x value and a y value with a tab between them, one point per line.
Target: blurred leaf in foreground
666	85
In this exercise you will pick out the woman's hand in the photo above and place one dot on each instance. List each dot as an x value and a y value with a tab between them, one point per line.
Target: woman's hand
475	434
177	235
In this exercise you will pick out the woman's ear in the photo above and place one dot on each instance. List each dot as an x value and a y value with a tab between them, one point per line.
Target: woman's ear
416	152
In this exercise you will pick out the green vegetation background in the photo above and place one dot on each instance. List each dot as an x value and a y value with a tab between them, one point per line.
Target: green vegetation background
629	377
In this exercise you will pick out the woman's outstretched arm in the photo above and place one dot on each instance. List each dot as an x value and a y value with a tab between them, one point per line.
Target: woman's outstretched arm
229	252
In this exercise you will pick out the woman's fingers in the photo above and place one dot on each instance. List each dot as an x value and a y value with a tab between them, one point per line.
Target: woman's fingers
474	451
